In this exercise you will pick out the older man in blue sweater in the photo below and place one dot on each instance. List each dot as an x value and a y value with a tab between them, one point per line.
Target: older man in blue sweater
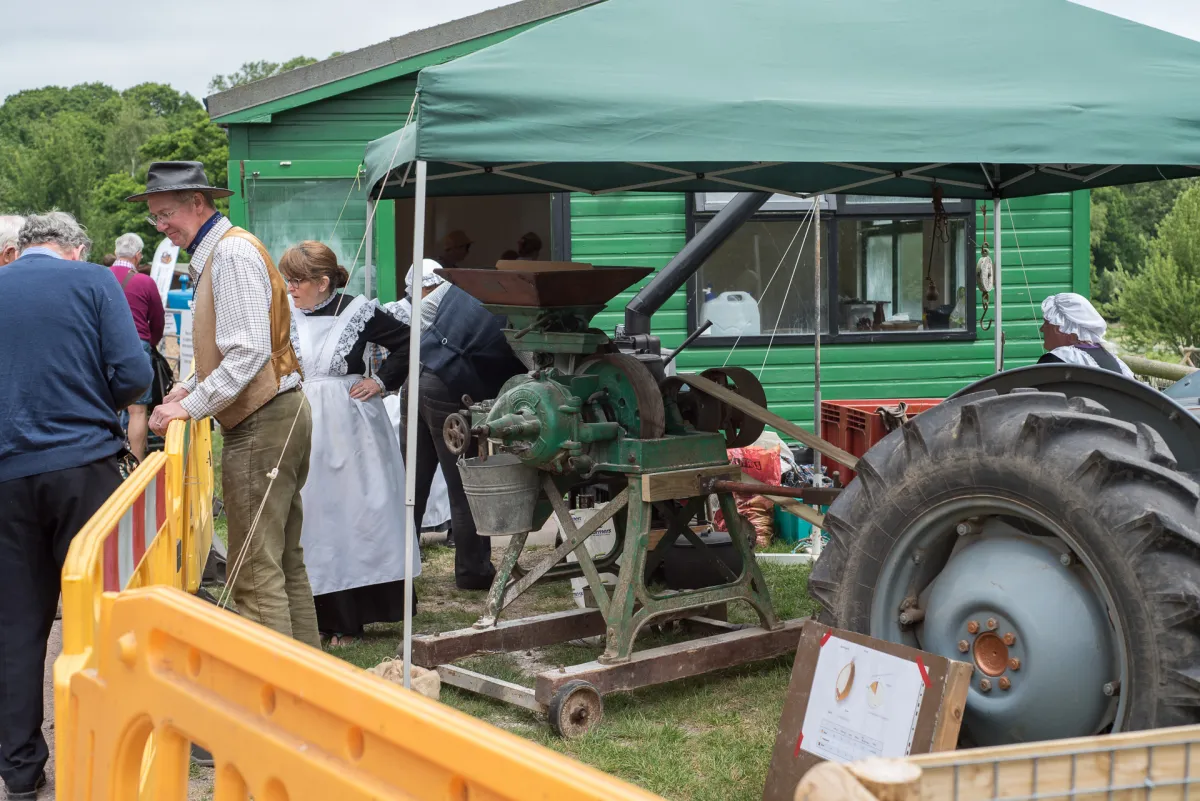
70	357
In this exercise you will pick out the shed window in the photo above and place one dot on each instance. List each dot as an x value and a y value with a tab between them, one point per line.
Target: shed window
760	281
890	271
285	212
901	275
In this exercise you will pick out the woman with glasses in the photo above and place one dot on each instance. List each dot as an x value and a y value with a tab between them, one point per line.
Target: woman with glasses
353	535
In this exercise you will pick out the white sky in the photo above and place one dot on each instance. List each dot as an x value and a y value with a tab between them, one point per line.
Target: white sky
126	42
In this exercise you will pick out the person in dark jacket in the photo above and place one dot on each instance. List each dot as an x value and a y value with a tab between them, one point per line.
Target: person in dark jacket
463	352
71	358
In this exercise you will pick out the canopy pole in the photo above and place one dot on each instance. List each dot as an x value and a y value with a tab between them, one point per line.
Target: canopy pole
998	277
368	251
814	532
410	416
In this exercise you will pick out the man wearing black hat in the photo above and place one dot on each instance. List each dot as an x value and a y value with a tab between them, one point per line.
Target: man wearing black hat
247	377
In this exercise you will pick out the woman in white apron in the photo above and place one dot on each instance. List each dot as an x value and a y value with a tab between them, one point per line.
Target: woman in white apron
353	534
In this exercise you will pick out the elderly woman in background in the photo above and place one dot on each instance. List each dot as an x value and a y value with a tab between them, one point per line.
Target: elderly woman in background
1073	333
353	534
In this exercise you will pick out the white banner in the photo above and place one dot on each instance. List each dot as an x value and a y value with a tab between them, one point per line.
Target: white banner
163	268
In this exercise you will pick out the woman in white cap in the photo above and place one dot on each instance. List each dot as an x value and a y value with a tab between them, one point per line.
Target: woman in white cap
463	353
1073	333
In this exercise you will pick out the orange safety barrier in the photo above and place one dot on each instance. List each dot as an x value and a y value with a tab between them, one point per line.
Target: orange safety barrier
283	721
151	532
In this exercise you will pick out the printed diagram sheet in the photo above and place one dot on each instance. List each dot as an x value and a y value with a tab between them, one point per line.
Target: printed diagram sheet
863	703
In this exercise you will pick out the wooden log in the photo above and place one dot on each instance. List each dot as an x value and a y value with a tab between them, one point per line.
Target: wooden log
830	781
888	779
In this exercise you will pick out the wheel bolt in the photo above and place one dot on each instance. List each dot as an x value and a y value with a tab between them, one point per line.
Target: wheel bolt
991	624
985	685
1065	560
973	627
1010	638
963	646
1014	664
1005	683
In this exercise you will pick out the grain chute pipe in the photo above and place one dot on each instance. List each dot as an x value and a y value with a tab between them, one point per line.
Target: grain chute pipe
688	260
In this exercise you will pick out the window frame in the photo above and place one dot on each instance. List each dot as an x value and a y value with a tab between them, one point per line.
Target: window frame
831	333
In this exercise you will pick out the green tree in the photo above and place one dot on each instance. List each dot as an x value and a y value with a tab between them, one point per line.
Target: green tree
201	140
59	168
132	129
1115	238
162	101
98	102
109	215
255	71
1159	305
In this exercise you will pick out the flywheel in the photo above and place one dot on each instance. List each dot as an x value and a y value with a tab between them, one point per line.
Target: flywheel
630	394
740	429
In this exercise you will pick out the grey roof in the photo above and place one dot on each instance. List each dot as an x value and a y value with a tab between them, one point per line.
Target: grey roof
393	50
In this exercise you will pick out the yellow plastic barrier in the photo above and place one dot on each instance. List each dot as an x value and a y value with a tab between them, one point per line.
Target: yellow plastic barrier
284	722
151	532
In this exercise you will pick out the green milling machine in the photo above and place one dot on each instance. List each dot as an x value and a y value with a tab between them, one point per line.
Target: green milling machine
591	416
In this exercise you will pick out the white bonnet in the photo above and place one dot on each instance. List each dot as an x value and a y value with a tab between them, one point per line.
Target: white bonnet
428	278
1074	314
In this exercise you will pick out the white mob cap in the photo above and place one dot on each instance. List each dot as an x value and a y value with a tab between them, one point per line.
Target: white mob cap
1074	314
428	277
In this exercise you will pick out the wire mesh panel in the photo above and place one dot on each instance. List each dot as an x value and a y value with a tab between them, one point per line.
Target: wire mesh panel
1156	766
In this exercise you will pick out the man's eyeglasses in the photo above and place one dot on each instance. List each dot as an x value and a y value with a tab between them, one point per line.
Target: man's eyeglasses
158	219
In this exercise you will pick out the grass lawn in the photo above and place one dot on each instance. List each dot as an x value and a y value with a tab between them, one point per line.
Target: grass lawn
702	739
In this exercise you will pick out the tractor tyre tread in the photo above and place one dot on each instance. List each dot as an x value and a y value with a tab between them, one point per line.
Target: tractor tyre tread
1112	486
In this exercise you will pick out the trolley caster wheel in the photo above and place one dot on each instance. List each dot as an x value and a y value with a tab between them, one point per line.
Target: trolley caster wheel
575	708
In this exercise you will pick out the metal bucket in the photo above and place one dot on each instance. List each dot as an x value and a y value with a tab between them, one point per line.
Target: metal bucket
502	492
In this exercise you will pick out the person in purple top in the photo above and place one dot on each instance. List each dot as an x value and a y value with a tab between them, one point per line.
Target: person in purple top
145	303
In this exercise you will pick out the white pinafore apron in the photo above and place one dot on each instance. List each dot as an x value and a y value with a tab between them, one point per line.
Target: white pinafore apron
353	499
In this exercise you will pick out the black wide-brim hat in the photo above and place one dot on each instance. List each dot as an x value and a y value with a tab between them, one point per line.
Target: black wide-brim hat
177	176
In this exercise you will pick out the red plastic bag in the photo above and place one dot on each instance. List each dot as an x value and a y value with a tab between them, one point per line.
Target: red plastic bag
764	465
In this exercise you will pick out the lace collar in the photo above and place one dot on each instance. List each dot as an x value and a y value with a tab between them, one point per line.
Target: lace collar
332	297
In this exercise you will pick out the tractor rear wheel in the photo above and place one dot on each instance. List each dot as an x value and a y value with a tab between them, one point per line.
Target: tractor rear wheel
1034	535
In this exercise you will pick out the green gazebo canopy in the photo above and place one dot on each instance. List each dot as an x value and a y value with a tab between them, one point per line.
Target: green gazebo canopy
880	97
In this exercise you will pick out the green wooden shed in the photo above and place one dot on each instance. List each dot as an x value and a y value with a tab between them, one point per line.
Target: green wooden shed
901	314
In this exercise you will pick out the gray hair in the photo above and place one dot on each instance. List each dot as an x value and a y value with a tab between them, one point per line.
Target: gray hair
10	227
56	227
128	246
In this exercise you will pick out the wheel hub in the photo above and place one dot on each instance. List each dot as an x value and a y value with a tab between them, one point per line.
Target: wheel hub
991	654
1034	629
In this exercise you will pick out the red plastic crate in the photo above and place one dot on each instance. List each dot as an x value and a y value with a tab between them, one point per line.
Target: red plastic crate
854	426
